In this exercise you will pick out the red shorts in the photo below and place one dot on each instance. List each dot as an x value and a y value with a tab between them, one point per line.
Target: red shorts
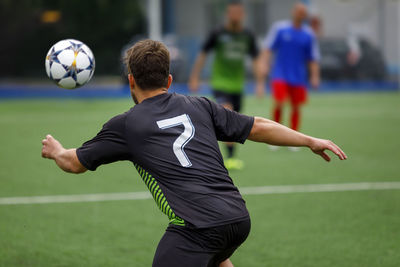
282	90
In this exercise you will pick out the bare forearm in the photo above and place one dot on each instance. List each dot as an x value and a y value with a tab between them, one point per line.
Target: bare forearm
263	65
68	161
258	75
314	69
270	132
267	57
314	74
198	65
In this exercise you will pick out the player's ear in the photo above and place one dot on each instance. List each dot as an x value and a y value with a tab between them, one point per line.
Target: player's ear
169	81
132	82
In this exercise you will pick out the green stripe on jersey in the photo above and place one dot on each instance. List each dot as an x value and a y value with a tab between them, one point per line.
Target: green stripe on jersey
158	196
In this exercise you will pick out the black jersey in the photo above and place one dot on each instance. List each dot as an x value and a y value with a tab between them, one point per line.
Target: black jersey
172	141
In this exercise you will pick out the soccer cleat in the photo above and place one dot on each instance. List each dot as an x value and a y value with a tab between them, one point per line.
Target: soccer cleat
234	164
294	148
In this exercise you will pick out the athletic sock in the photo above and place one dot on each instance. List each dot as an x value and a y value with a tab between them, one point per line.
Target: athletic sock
277	114
295	119
230	149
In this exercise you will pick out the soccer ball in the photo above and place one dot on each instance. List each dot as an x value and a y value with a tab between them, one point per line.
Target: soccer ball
70	63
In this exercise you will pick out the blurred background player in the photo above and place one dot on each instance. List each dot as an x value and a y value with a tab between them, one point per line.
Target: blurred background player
296	51
231	44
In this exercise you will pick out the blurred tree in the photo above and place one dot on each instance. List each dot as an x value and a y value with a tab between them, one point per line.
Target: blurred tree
27	31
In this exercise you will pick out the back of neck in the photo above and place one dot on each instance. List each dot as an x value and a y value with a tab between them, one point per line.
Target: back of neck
145	94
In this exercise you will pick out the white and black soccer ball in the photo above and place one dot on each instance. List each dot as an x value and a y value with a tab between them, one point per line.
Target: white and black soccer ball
70	63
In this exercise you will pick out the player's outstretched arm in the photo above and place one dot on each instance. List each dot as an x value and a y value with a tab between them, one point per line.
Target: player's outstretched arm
270	132
66	159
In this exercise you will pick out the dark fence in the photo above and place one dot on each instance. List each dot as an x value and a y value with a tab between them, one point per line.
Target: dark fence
29	28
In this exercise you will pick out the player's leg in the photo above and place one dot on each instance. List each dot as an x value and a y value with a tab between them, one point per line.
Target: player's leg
232	163
226	263
294	121
295	117
228	101
279	93
178	248
182	246
298	96
235	234
237	102
234	102
230	147
277	110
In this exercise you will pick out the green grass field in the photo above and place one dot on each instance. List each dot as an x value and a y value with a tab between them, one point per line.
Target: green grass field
358	228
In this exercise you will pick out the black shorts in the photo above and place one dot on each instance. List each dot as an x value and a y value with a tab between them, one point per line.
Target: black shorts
183	246
228	98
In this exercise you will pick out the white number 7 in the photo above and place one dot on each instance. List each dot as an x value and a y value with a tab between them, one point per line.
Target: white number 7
183	139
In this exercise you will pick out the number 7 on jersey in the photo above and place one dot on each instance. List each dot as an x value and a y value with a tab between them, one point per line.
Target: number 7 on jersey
182	139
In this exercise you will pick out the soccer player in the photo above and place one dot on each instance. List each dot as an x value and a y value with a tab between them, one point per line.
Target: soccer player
172	141
296	50
231	44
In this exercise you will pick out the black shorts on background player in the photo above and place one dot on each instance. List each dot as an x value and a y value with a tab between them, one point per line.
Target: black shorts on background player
228	98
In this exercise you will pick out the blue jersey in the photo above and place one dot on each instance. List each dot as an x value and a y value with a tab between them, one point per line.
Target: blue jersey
294	48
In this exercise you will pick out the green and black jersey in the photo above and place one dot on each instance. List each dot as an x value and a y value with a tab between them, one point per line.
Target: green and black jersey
231	49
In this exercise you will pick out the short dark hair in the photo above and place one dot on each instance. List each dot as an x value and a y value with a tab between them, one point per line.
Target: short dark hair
148	62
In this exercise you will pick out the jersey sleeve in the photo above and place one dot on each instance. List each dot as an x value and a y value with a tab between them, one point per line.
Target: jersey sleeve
253	50
210	42
271	40
108	146
229	125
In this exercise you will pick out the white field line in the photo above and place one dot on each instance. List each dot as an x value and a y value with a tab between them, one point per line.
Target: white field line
74	198
313	188
263	190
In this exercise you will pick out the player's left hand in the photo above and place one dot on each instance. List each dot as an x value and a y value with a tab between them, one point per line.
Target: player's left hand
318	146
50	147
315	82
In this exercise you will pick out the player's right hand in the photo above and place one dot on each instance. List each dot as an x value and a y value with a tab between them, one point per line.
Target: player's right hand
50	147
318	146
315	82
